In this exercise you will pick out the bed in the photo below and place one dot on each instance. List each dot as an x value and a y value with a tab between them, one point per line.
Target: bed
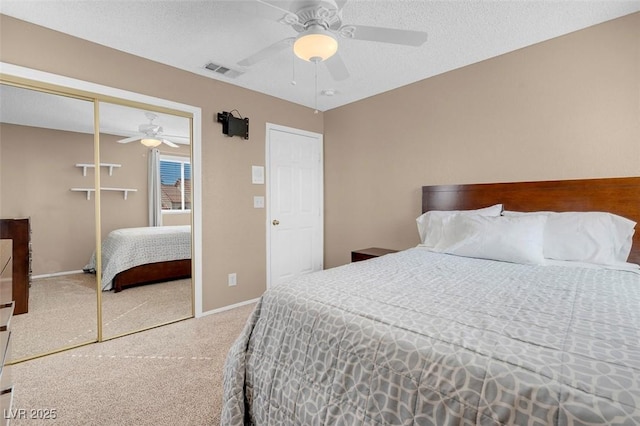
135	256
421	337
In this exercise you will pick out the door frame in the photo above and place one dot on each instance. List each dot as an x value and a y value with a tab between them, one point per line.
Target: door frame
320	138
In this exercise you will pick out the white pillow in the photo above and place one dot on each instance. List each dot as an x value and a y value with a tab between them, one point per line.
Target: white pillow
509	239
430	223
628	267
593	237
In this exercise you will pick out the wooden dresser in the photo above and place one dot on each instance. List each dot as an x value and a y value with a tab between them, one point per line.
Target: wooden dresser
19	231
6	312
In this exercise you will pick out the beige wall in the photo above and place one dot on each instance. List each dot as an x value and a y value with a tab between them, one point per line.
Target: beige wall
38	170
566	108
175	219
233	231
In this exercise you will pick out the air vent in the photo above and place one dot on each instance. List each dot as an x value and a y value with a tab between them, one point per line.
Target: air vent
222	70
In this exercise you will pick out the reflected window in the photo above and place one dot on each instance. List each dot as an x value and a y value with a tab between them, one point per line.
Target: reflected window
175	179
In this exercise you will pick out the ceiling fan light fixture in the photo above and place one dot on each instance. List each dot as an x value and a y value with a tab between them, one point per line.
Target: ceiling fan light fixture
150	142
315	44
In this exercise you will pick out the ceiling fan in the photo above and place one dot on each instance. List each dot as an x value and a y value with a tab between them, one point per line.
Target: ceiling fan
151	134
318	23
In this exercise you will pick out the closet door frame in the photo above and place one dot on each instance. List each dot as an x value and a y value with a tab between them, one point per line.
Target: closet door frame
47	82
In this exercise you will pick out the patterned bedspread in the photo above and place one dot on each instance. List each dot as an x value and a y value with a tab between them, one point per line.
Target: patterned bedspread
128	247
420	338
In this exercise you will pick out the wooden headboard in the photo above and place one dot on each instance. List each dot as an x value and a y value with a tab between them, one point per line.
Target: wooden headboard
620	196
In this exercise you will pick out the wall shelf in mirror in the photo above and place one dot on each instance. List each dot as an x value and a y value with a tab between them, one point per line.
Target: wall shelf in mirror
85	166
125	191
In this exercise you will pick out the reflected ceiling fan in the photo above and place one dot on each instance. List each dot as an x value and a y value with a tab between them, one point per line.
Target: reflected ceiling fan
319	23
151	134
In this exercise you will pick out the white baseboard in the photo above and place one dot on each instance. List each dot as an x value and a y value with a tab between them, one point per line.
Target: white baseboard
57	274
226	308
213	311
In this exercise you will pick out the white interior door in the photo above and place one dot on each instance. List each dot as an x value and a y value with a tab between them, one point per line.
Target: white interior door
294	201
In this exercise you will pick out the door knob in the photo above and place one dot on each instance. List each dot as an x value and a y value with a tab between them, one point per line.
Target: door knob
276	222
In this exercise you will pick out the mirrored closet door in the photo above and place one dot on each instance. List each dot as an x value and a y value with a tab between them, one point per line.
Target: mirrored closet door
145	218
46	177
76	190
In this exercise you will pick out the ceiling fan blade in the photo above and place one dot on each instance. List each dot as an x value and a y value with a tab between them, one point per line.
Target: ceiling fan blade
168	142
385	35
337	67
176	136
266	52
131	139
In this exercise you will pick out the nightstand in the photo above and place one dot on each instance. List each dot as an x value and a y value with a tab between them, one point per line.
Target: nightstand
369	253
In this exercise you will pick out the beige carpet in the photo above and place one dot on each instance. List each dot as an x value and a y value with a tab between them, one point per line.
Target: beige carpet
62	312
169	375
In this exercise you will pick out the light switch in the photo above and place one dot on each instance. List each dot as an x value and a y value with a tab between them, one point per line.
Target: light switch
257	175
258	202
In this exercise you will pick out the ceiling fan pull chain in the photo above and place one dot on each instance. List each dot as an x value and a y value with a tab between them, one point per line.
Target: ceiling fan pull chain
316	87
293	70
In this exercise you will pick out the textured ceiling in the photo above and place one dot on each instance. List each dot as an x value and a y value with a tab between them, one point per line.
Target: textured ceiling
187	34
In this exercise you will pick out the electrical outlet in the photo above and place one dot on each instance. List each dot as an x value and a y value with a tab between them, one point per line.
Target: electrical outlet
232	279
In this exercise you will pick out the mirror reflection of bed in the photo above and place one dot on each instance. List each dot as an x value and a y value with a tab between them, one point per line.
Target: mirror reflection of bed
145	269
156	289
42	160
